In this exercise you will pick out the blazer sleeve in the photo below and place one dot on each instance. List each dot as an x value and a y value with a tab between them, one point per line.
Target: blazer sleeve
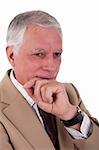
75	99
92	142
4	139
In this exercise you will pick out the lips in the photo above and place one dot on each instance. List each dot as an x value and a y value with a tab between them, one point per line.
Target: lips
46	77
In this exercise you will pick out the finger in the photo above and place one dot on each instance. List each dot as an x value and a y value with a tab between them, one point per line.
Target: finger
30	91
46	96
31	83
29	87
45	106
37	89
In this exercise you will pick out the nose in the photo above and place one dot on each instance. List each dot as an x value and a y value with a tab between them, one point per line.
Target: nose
49	65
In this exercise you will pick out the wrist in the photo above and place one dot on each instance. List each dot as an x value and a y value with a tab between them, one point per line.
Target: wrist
75	121
69	113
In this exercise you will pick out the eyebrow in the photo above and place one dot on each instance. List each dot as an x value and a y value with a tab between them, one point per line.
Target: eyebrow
38	50
44	50
59	50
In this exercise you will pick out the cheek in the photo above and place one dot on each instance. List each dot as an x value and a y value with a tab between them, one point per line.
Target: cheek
32	70
58	63
34	66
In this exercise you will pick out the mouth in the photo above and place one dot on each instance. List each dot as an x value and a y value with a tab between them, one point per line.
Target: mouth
46	77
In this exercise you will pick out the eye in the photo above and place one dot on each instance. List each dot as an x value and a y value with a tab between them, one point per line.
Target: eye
57	54
40	54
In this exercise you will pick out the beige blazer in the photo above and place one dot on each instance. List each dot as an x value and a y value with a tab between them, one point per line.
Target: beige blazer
20	128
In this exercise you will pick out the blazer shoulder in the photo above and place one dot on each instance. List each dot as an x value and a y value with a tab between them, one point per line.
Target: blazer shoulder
72	93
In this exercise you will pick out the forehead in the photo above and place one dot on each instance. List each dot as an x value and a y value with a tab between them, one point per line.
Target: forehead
40	28
37	36
36	31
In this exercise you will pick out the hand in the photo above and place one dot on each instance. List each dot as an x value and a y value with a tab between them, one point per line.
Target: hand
51	96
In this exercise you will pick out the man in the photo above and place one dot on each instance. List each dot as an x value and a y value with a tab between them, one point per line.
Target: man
36	111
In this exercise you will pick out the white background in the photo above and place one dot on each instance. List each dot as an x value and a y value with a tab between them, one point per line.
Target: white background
79	20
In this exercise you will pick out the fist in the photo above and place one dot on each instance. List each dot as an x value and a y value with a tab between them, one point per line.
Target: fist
50	96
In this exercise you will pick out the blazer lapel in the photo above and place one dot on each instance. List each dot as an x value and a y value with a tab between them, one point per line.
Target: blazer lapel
64	138
24	118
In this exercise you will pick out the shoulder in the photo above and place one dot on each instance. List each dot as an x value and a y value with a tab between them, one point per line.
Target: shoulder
72	93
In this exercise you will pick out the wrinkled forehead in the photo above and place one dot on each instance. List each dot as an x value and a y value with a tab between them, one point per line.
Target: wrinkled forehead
42	33
38	37
35	28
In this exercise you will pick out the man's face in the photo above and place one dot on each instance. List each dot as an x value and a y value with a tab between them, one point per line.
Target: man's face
39	55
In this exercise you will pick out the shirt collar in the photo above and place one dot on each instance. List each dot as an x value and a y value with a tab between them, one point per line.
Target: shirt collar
21	89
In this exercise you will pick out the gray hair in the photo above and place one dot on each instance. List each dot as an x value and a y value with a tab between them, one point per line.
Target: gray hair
18	25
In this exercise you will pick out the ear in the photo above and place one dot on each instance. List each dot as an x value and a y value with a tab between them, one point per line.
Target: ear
10	55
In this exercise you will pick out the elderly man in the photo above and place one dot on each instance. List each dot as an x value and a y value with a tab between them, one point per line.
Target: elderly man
36	111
